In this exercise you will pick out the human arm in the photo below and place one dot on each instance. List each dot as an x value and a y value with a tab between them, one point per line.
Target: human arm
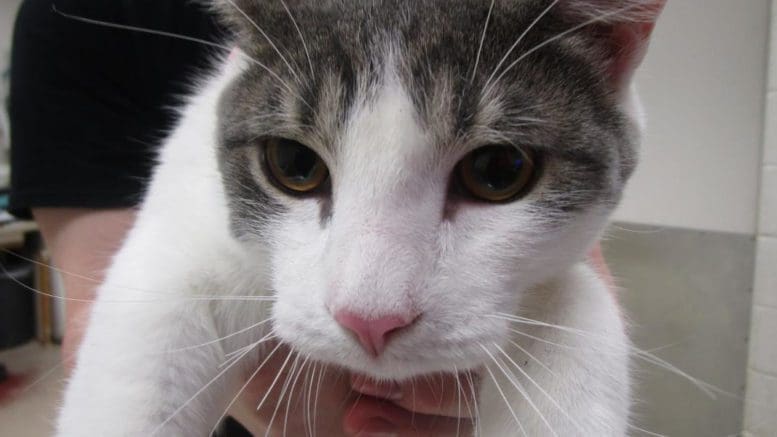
81	242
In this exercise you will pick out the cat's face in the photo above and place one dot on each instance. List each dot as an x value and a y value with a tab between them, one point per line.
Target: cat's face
395	172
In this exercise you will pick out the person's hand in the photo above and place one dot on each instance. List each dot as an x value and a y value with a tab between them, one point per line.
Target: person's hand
337	403
81	242
319	398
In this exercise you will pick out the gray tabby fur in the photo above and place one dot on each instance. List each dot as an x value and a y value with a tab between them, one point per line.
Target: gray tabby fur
586	142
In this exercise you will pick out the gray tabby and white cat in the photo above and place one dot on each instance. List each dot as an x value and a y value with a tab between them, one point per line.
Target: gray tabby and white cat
394	187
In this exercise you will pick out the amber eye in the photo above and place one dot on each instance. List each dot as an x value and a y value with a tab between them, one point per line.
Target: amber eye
497	173
295	166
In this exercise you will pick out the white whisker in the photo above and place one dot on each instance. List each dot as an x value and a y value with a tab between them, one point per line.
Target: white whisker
302	38
555	38
321	375
458	401
275	381
237	355
308	387
184	38
519	387
518	41
442	389
664	347
282	395
542	340
482	41
291	393
708	389
522	349
542	390
230	356
270	335
467	405
266	37
705	387
200	391
201	345
242	389
140	30
45	375
476	423
649	432
413	408
504	397
170	298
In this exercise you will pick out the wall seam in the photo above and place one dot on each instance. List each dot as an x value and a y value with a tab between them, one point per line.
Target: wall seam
761	388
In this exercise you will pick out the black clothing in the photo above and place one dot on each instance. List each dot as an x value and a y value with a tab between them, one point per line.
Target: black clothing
89	104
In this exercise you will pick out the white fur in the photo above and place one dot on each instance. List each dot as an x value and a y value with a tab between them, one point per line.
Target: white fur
124	382
388	248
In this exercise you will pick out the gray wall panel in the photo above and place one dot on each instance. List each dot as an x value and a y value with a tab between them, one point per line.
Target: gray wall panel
687	292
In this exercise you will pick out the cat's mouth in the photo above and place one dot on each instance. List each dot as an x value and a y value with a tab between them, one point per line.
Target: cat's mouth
392	368
435	342
404	358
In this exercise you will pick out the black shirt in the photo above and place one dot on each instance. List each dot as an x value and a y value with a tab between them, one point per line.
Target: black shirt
89	104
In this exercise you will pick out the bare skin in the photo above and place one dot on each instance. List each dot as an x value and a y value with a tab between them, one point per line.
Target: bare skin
84	241
81	241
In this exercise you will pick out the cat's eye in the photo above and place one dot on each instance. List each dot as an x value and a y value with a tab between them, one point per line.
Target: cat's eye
497	173
294	166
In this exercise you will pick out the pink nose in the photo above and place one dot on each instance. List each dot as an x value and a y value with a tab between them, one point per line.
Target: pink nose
372	334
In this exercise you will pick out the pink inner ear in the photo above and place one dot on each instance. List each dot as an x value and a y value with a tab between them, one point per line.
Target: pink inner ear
630	37
625	29
629	42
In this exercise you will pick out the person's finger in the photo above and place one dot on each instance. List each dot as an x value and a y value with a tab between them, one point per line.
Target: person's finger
372	417
440	395
291	398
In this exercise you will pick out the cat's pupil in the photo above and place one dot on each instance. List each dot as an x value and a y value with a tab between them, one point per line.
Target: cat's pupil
497	173
497	167
294	166
297	162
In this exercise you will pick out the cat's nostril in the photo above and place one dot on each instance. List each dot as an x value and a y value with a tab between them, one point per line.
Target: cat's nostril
373	333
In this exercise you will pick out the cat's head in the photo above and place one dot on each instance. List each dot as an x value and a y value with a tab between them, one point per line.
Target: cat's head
414	167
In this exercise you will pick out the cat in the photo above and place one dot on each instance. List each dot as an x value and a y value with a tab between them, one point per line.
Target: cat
398	188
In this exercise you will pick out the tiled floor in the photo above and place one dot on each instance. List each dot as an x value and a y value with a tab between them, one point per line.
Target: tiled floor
29	398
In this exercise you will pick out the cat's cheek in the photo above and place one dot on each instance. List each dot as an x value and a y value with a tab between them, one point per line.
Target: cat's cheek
303	329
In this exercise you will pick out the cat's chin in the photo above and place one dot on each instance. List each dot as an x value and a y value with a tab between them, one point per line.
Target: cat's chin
395	365
395	370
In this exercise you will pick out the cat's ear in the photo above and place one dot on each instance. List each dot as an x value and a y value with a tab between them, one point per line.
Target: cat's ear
233	11
622	28
251	21
238	14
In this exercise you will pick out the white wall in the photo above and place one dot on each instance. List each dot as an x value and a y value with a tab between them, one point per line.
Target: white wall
703	87
7	15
